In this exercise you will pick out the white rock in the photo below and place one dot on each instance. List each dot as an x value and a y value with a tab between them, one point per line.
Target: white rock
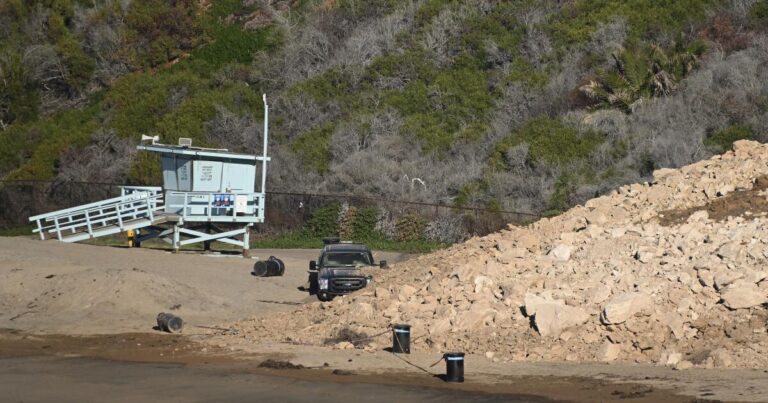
675	323
721	358
533	301
406	292
482	282
742	295
706	278
344	345
645	255
623	306
560	252
673	359
699	216
552	318
382	293
598	294
608	352
618	232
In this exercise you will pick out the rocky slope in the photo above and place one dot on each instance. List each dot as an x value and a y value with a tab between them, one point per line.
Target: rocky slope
671	272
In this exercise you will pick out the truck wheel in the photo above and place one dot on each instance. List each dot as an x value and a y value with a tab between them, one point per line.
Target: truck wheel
324	296
313	286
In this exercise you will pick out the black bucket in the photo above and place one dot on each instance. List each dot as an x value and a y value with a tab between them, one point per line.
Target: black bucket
169	322
454	367
269	268
401	339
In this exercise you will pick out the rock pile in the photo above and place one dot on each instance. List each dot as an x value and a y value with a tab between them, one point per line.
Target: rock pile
653	272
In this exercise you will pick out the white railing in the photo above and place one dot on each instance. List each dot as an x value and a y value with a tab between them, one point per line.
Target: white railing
209	206
126	190
117	212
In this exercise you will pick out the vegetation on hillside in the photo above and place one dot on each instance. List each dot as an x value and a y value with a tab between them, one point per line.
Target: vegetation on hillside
520	105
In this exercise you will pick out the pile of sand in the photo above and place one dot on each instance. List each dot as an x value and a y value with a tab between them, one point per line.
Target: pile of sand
110	298
672	272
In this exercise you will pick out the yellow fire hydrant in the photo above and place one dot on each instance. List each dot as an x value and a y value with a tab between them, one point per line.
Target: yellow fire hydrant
131	238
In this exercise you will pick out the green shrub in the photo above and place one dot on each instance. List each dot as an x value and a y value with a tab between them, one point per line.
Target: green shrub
19	95
79	65
224	8
364	224
157	31
329	86
759	14
452	107
313	147
722	140
38	145
324	221
549	141
232	44
645	19
641	73
410	228
560	200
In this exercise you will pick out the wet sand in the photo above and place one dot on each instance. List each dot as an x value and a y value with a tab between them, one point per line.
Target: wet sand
139	366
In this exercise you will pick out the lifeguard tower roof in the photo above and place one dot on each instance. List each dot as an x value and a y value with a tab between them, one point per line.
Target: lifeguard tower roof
215	153
194	169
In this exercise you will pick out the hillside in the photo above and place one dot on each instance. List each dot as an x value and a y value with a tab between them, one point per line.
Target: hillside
526	105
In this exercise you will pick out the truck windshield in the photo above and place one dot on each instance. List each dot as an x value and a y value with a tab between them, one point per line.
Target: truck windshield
346	259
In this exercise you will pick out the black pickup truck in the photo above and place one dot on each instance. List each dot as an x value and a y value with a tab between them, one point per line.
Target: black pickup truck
337	271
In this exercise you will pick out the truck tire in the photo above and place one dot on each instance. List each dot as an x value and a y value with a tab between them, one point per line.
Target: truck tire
313	286
324	296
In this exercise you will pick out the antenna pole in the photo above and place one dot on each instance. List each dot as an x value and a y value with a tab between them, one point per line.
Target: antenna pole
264	153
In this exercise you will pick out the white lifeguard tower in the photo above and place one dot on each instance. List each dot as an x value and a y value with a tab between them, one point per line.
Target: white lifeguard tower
203	190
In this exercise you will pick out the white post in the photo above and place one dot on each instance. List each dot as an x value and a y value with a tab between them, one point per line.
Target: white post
264	153
246	242
175	243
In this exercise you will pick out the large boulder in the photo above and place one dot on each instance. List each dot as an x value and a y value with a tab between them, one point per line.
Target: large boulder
552	318
741	295
533	302
624	306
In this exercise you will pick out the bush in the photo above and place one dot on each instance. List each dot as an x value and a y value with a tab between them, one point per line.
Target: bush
577	21
314	148
759	15
549	141
364	224
410	228
722	140
158	31
324	222
643	73
232	44
34	149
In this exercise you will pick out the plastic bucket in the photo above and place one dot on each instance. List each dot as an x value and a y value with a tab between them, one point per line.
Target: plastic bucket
401	339
454	367
269	268
169	322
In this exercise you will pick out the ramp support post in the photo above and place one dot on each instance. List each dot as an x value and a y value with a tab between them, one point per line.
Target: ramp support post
175	243
246	242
